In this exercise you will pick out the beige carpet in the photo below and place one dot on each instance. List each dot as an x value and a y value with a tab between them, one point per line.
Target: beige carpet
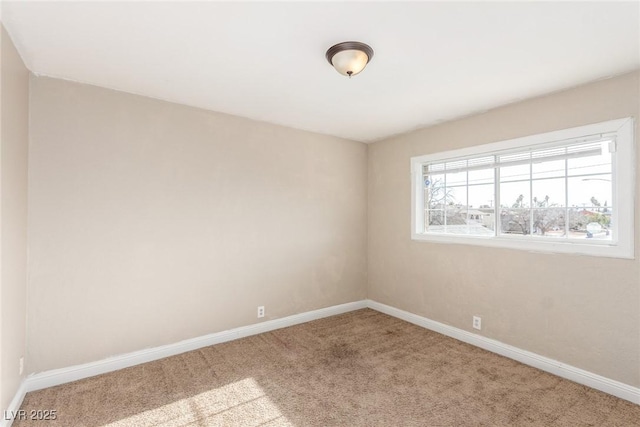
358	369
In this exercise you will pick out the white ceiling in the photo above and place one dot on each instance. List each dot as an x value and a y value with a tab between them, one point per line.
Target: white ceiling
265	60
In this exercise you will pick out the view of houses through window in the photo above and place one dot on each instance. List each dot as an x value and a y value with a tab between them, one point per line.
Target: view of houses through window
562	191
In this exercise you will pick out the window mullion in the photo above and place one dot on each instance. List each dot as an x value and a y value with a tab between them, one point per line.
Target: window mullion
444	201
496	200
571	153
566	198
615	202
467	198
530	197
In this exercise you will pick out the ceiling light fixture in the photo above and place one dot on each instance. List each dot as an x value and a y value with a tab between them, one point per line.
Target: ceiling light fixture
349	58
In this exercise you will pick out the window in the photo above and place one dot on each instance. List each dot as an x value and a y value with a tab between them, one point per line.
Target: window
568	191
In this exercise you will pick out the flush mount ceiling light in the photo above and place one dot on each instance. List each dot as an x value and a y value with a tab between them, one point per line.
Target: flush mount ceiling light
349	58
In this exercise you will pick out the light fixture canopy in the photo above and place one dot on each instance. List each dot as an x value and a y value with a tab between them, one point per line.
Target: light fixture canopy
349	58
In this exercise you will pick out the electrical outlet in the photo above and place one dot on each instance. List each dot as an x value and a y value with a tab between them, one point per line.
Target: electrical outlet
261	311
477	322
21	365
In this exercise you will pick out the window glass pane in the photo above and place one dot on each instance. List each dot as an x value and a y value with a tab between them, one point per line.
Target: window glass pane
481	196
548	193
549	222
515	194
552	192
515	221
481	176
435	191
548	169
435	220
435	167
548	152
456	196
457	178
481	221
514	173
456	164
481	161
593	192
515	157
588	224
590	165
481	209
456	219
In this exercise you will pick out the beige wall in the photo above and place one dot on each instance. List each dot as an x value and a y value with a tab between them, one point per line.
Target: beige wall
152	222
584	311
14	139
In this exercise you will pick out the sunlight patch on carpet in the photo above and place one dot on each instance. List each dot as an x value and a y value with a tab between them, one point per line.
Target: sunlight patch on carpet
240	403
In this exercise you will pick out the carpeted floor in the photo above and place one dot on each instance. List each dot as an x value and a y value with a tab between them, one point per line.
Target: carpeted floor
358	369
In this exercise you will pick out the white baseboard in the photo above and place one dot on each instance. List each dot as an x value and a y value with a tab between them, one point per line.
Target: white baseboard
598	382
14	406
65	375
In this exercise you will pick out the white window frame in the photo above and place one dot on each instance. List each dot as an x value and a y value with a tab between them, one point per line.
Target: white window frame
623	188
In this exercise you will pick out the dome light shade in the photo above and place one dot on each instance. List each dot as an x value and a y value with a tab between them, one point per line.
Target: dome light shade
349	58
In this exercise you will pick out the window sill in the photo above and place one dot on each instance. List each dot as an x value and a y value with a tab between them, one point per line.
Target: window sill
600	249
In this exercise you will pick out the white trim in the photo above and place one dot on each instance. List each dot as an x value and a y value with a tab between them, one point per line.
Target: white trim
580	376
526	141
61	376
15	404
534	244
73	373
623	194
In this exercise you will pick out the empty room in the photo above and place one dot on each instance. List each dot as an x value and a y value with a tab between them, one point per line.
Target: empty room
294	213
